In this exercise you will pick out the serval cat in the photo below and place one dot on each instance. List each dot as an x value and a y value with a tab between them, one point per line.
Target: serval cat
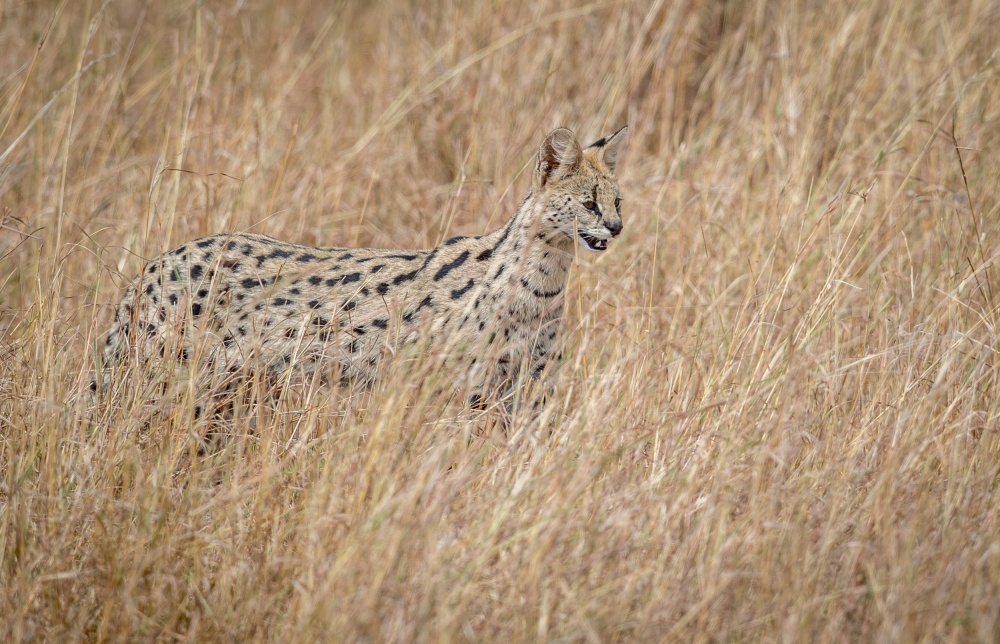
493	304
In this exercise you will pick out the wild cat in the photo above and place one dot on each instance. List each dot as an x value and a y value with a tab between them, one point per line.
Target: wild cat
493	303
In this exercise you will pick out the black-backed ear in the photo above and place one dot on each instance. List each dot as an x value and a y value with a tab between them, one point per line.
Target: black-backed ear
610	145
558	156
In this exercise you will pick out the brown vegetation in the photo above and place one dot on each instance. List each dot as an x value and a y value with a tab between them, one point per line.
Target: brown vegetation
777	416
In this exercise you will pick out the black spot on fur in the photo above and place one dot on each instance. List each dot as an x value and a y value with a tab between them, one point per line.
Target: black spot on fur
240	297
205	243
149	289
228	339
196	309
313	304
307	257
380	322
454	240
175	275
231	245
251	282
459	292
351	278
152	269
481	325
295	291
500	271
404	277
486	254
382	288
545	294
333	281
246	249
173	298
350	305
280	253
281	301
315	280
405	258
426	302
358	330
377	268
450	266
365	292
345	256
427	260
320	321
203	292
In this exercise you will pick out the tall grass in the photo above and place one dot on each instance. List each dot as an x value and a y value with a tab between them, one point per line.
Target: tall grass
776	417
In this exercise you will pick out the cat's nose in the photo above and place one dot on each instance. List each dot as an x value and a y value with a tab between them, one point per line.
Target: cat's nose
615	227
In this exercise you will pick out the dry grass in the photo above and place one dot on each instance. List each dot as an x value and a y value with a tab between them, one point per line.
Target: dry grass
777	417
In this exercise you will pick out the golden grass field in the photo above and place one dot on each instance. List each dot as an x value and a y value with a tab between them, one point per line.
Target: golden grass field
776	417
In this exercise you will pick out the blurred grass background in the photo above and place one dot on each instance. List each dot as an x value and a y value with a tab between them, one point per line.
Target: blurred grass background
777	415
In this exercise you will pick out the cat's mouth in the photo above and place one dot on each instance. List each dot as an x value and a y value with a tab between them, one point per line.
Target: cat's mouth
593	243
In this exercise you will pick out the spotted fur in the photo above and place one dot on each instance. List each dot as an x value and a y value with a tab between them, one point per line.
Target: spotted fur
492	303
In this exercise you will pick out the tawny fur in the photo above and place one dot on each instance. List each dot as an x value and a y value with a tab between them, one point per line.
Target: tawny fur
491	304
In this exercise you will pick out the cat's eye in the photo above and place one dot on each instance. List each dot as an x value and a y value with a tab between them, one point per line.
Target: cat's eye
590	205
618	203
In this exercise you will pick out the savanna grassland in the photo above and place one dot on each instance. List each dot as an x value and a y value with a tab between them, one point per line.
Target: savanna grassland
776	417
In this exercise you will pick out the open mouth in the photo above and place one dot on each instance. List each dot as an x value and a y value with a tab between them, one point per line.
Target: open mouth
593	243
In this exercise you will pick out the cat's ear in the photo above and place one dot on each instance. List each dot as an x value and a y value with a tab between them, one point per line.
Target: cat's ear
609	148
558	156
